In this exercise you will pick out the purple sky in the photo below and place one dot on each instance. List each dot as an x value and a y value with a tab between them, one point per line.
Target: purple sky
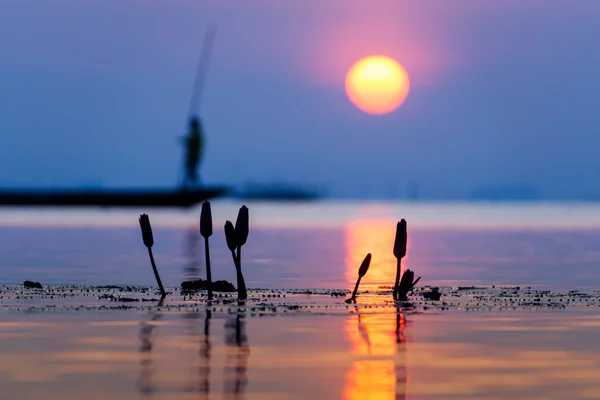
96	93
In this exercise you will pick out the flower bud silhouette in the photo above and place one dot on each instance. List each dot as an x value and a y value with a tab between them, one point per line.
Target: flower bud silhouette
401	238
406	285
236	238
242	226
206	228
206	231
362	270
364	266
399	252
149	242
230	236
146	230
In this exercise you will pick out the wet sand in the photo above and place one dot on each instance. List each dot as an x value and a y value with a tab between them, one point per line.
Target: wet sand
78	346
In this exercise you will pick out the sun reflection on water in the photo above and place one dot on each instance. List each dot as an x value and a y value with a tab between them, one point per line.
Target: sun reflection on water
375	237
379	346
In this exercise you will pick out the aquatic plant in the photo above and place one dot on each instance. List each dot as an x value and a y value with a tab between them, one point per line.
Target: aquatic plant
230	236
206	231
399	252
232	245
406	285
236	237
200	284
433	294
362	271
148	239
242	227
32	285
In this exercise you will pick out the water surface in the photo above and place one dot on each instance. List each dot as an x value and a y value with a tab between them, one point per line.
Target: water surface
353	352
358	355
312	245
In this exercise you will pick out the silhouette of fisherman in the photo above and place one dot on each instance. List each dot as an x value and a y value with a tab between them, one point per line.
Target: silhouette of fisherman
193	152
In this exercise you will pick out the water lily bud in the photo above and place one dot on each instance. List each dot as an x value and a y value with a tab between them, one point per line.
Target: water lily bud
146	230
406	284
400	242
407	280
364	267
230	235
206	229
242	226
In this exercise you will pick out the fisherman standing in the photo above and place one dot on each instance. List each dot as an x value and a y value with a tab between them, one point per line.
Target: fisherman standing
193	152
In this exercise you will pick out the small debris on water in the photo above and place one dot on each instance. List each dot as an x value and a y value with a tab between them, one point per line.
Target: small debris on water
32	285
201	284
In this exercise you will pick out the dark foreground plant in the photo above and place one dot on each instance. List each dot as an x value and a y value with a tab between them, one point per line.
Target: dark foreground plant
399	252
206	231
432	294
236	237
149	242
242	229
362	271
406	285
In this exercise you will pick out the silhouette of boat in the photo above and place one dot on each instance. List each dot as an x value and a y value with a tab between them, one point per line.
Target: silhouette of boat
277	192
179	197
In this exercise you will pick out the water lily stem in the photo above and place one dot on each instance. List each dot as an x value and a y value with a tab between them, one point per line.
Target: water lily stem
160	285
242	292
208	272
356	288
397	284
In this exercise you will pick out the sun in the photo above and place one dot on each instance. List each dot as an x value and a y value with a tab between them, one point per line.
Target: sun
377	84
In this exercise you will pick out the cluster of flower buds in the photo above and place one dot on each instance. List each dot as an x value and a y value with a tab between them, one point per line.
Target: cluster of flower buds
402	286
236	237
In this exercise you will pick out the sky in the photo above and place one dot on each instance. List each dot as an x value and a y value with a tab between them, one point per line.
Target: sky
503	95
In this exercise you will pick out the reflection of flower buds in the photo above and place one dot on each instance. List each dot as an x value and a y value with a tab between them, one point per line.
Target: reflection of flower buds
146	230
364	267
230	235
242	226
400	242
206	228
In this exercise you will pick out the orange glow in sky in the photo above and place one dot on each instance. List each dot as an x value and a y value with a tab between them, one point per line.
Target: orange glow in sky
377	84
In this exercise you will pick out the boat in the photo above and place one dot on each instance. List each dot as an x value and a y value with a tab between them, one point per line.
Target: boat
178	197
277	192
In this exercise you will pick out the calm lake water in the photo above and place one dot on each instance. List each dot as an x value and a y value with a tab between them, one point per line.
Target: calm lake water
368	355
372	350
311	245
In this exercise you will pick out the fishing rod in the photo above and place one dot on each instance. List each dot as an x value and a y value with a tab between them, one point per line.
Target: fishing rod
202	69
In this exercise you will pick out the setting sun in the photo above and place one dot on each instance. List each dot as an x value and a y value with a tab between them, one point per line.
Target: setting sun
377	84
